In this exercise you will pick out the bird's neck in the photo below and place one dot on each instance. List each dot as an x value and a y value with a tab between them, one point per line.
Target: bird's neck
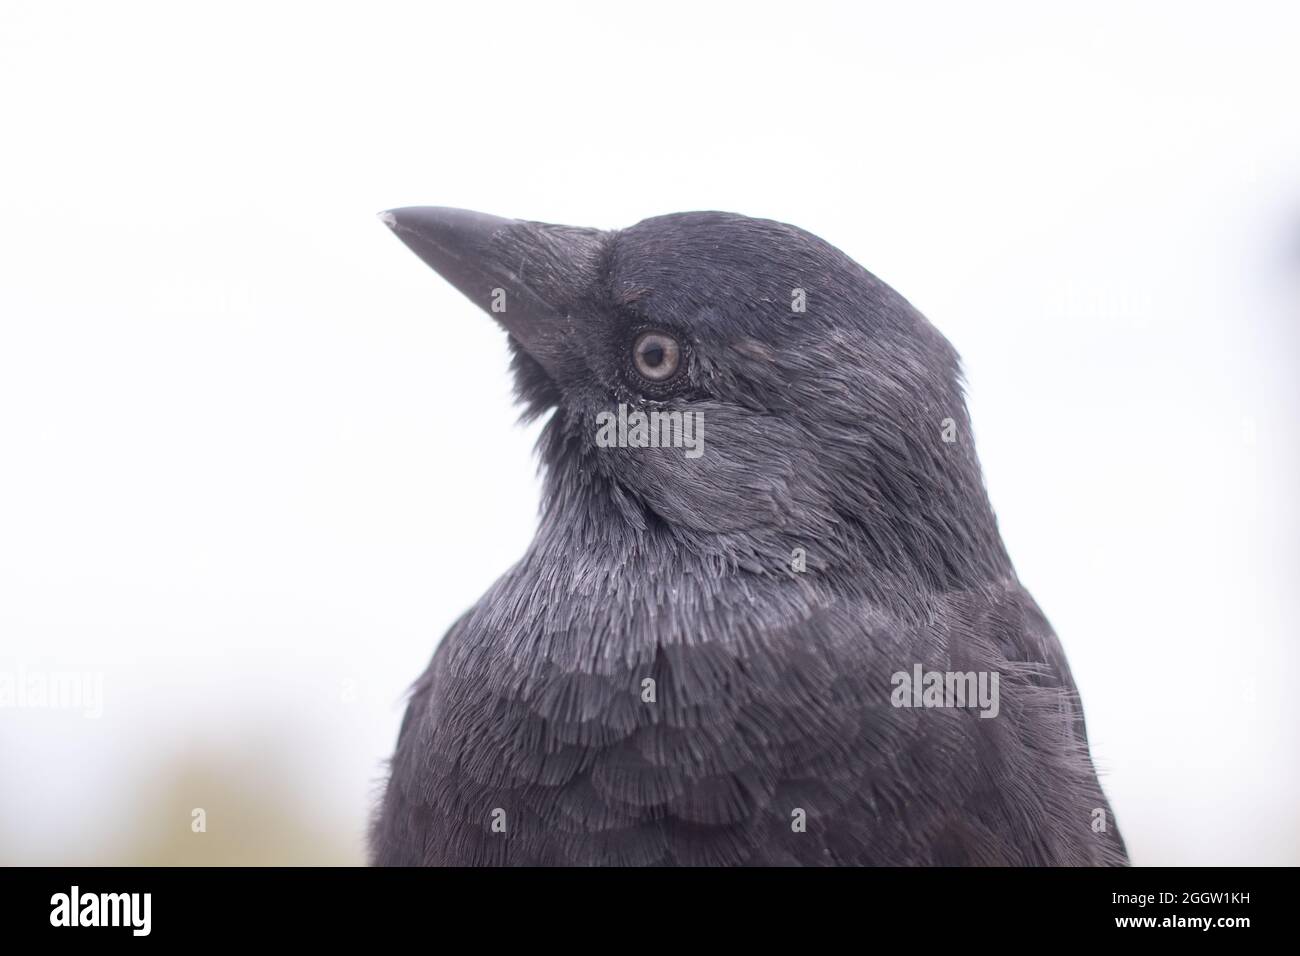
601	538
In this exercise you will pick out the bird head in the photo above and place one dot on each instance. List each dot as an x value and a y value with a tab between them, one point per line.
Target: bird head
737	385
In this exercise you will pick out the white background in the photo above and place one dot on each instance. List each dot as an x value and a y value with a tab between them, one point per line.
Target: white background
255	458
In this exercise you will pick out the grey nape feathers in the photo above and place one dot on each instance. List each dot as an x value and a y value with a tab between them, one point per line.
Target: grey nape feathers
752	649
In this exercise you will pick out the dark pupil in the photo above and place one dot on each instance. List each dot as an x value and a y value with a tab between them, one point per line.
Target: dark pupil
653	355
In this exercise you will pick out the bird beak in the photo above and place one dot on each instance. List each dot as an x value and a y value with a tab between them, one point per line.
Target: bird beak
529	276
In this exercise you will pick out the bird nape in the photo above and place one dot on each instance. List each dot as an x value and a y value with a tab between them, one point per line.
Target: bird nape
767	617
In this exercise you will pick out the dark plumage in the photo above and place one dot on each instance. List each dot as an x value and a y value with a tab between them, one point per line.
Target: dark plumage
529	739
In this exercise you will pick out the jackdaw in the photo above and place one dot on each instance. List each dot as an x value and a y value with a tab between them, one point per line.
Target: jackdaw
767	617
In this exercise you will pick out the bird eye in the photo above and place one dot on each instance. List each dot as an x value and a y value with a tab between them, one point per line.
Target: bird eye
656	355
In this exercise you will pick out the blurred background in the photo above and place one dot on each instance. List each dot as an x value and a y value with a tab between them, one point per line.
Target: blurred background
255	458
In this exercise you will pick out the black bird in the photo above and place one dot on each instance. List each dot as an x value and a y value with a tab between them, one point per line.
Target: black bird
744	638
